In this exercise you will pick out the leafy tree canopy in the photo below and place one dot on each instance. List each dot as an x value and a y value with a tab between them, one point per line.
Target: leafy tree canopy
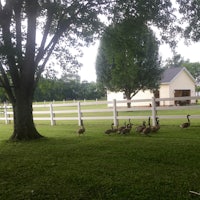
62	89
128	58
190	11
175	61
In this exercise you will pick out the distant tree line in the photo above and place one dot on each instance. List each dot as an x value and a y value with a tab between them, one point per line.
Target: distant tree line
59	89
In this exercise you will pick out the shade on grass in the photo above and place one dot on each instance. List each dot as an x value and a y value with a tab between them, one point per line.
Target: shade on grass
98	166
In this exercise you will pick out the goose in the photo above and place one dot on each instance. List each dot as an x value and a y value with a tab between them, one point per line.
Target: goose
127	129
108	131
140	128
186	124
156	127
147	130
129	125
81	130
121	128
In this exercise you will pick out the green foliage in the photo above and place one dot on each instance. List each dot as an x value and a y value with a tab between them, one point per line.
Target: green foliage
128	58
159	13
59	89
190	11
194	69
175	61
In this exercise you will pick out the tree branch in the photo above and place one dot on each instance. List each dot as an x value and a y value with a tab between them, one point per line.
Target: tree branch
31	9
5	83
6	14
17	10
41	51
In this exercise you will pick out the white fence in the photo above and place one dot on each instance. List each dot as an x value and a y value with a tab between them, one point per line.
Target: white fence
76	111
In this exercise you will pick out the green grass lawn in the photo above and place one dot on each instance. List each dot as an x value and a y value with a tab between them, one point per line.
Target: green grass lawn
99	167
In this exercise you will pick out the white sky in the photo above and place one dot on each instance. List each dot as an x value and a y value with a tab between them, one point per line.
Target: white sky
88	72
190	52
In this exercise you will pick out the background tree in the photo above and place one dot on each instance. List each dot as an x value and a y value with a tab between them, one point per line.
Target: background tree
128	58
194	69
67	77
58	89
175	61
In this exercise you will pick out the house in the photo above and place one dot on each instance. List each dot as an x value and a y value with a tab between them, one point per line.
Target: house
175	82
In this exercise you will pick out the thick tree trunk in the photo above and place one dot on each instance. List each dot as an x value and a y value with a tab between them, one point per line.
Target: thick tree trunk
24	127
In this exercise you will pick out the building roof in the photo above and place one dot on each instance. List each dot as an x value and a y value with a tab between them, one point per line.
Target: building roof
170	73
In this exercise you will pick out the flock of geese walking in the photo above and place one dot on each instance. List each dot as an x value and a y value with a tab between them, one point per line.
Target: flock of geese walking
127	127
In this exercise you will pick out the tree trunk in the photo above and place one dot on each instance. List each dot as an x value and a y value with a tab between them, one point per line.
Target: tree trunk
24	127
128	103
128	97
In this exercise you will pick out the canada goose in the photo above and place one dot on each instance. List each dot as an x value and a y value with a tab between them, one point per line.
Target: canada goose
129	125
121	128
186	124
81	130
140	128
108	131
156	127
127	129
147	130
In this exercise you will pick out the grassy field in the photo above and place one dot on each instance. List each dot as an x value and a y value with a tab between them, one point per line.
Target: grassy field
99	167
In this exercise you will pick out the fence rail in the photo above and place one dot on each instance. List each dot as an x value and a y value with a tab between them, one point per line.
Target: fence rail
77	112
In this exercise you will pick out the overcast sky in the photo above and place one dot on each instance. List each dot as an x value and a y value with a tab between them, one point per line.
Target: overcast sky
88	72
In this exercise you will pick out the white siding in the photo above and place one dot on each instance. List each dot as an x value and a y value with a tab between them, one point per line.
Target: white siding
165	93
147	94
115	95
182	82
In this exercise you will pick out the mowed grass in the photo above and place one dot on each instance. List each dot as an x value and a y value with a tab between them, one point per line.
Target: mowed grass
97	166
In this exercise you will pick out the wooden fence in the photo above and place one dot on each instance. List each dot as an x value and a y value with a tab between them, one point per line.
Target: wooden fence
75	111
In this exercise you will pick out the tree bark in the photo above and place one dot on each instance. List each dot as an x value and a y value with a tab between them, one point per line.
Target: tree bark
128	103
24	127
128	97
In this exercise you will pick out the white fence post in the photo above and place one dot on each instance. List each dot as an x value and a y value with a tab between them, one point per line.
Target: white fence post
5	113
53	122
79	113
153	111
115	112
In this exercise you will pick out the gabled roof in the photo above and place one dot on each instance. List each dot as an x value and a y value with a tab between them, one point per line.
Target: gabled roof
170	73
